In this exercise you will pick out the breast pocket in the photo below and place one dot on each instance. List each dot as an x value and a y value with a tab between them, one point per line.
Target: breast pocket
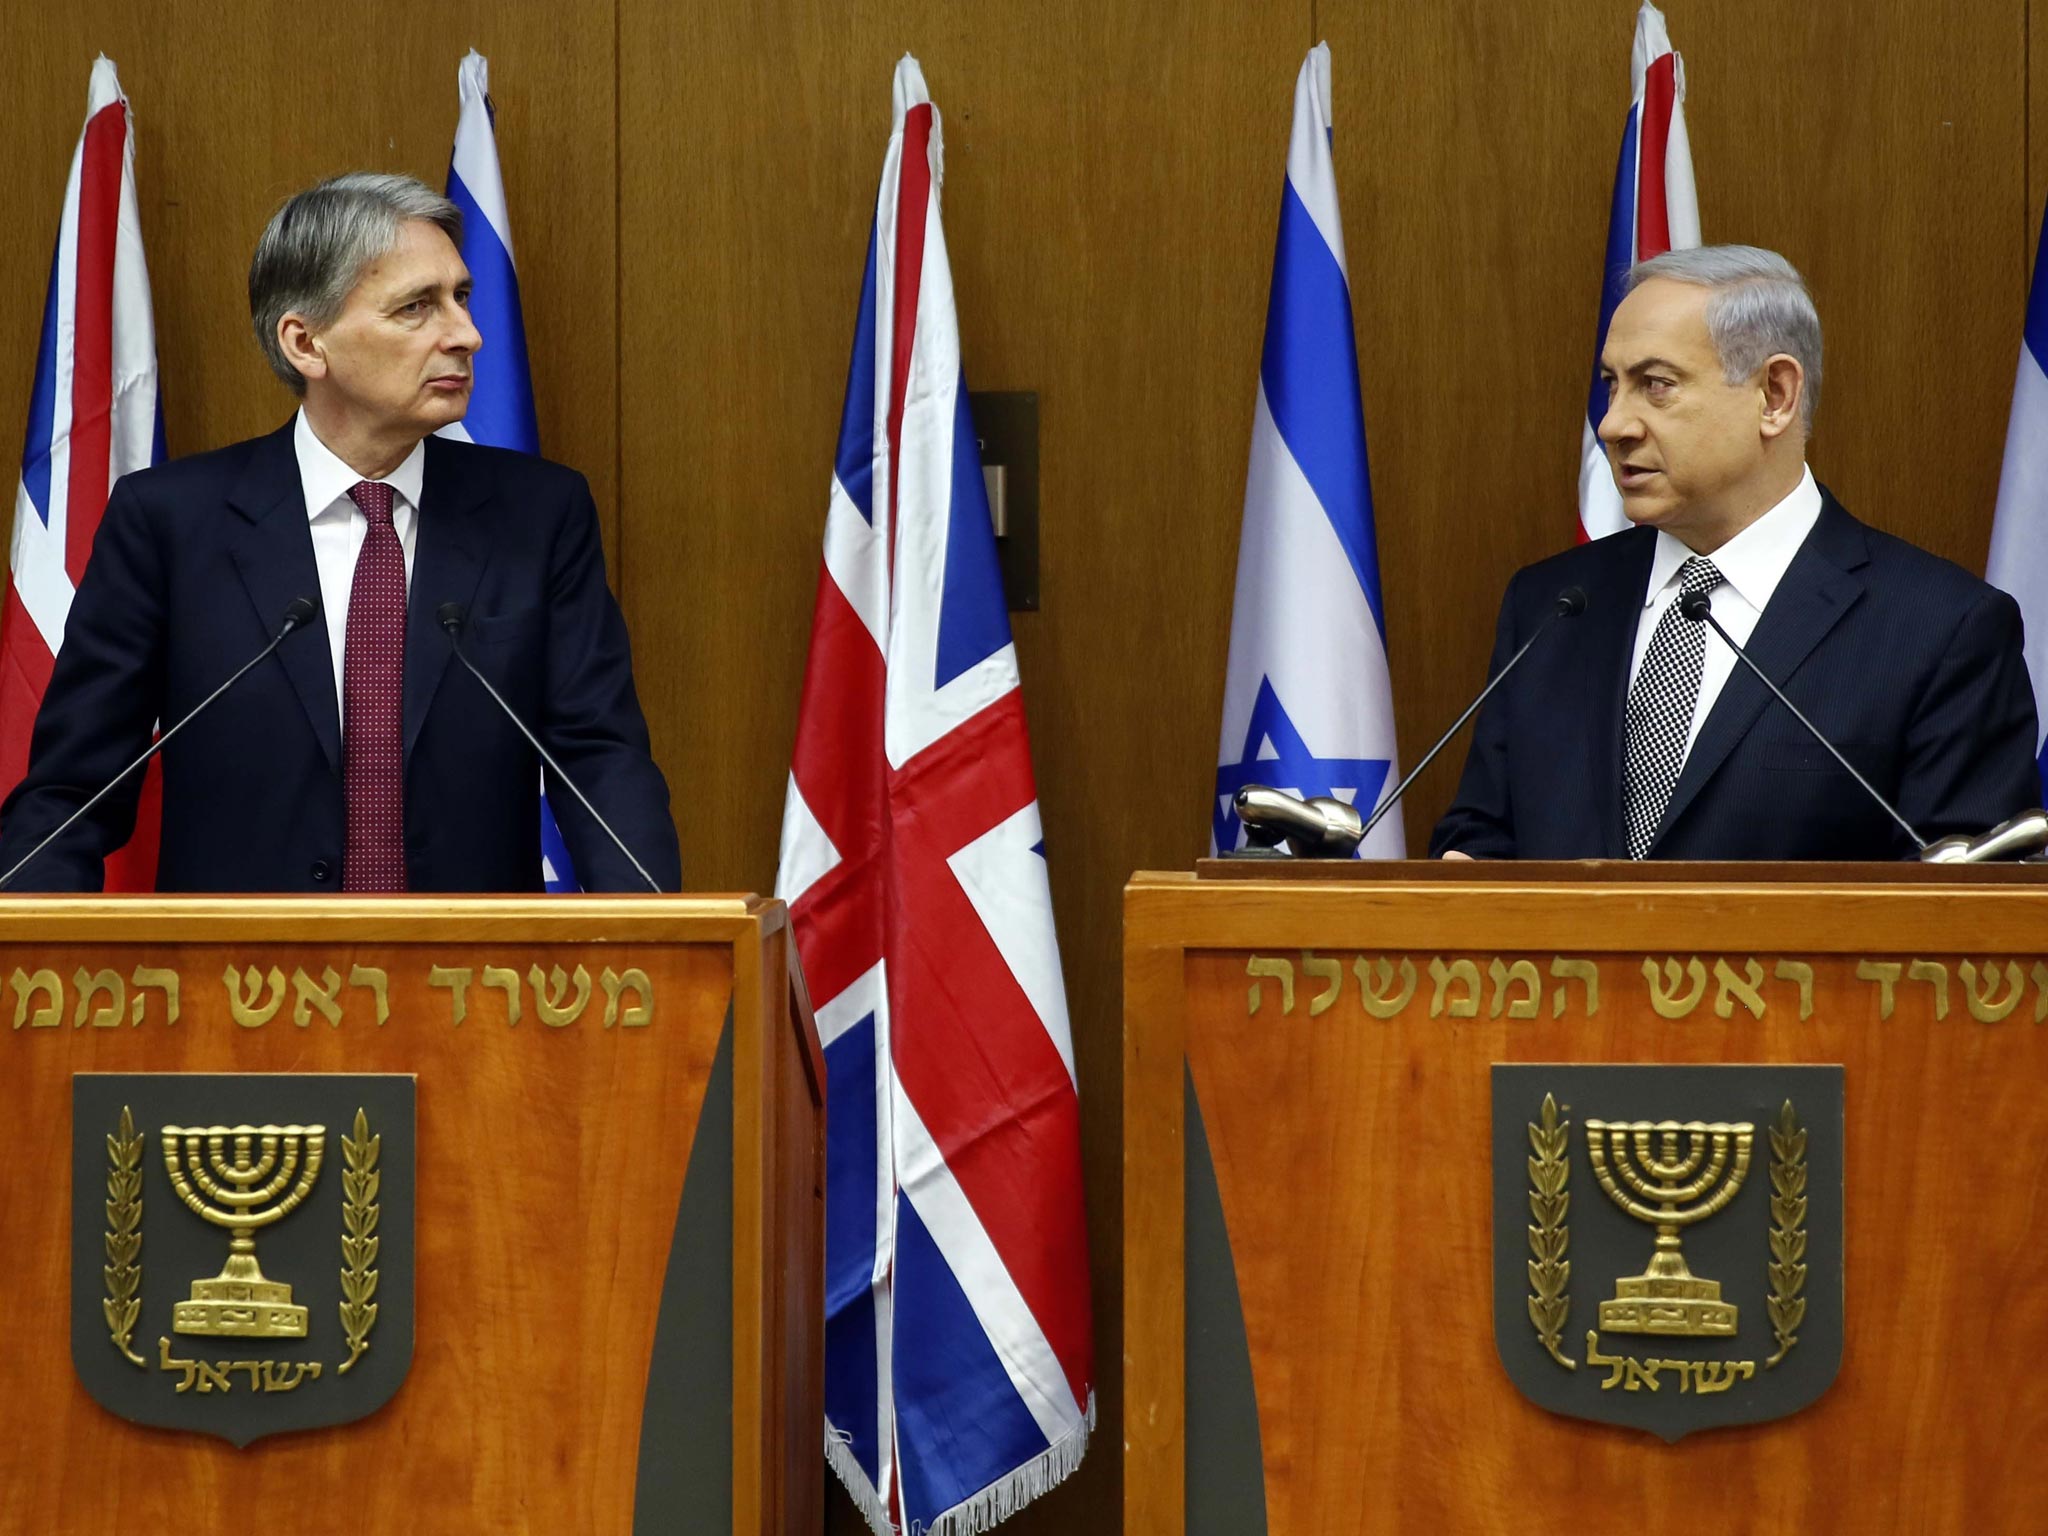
498	629
1802	754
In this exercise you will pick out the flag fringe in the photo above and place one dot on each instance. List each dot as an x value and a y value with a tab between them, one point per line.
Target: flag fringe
854	1479
1005	1496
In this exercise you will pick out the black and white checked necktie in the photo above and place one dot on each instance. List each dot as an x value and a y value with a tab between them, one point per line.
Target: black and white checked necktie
1660	709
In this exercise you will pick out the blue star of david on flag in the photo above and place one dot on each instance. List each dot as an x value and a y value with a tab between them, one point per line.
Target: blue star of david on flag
1307	623
1276	756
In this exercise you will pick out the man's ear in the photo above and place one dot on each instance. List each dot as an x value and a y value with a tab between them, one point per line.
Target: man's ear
1784	387
301	347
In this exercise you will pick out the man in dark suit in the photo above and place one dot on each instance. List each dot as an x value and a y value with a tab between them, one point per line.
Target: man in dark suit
1631	731
360	756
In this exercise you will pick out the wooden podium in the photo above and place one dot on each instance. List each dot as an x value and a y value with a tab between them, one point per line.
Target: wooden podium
1328	1212
553	1330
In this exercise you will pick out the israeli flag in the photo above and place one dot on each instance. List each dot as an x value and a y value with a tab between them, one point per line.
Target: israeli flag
2019	533
501	397
1308	705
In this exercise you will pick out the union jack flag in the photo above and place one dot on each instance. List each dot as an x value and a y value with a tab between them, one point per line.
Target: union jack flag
1656	209
958	1357
94	414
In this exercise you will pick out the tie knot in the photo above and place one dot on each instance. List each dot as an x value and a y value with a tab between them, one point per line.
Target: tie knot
374	497
1699	574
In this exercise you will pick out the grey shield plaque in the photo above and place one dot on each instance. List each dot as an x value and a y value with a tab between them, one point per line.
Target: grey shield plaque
242	1247
1667	1240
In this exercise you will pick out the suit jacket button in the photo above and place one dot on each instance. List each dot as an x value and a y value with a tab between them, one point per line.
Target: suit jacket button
322	870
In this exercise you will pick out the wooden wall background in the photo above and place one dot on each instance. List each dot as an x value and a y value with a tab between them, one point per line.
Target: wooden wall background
690	191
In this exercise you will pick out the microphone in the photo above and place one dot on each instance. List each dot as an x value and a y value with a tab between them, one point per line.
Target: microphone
1697	607
297	613
451	616
1322	828
1569	604
2021	837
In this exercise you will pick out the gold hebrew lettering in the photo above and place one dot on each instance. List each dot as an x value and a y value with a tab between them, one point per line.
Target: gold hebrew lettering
1379	995
1281	970
1935	974
635	1015
503	976
1729	989
1984	1007
214	1378
457	979
164	981
1800	972
379	985
326	996
1718	1375
1886	974
90	984
1641	1373
51	1013
243	995
1441	976
548	999
1665	997
1330	971
1595	1359
164	1362
1522	971
275	1378
1575	970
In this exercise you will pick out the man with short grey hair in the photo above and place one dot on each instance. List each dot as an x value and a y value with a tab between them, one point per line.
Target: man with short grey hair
1632	732
360	757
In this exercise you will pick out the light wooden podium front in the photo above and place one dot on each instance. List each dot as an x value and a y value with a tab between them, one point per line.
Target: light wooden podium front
1324	1360
597	1344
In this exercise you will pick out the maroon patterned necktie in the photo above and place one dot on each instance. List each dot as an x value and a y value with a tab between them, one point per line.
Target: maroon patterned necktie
373	704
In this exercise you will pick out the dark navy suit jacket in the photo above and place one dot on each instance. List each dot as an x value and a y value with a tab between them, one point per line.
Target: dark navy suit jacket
192	569
1911	665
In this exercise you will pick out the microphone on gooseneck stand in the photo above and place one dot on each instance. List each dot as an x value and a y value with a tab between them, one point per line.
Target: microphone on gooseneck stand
451	616
1697	607
297	613
1569	604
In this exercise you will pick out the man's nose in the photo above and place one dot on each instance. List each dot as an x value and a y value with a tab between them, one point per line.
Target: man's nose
462	334
1619	424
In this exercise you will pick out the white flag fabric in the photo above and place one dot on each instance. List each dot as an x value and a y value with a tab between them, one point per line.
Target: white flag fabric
2019	534
1308	704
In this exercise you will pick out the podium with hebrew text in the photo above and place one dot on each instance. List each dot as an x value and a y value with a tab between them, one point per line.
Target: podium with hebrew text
396	1214
1584	1197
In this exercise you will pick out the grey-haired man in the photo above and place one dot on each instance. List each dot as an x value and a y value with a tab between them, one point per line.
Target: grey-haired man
358	758
1634	732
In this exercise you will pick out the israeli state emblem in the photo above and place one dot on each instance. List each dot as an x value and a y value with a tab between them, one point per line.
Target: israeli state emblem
241	1247
1667	1240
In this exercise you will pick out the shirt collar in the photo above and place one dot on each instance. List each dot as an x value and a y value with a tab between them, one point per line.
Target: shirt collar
326	479
1755	560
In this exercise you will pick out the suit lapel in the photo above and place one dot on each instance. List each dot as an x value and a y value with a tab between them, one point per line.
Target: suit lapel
448	559
1818	588
1614	611
274	556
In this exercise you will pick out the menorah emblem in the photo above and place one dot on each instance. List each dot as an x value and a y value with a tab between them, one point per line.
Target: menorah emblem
242	1177
1639	1164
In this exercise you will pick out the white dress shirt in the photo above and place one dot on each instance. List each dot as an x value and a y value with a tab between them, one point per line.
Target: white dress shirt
339	526
1751	564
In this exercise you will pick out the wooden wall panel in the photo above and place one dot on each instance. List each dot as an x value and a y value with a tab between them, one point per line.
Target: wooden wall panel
1112	186
237	106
